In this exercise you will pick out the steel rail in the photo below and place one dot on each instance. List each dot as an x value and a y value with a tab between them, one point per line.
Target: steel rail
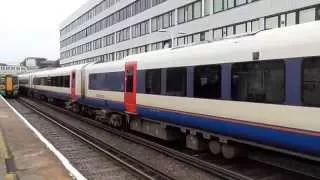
135	166
214	169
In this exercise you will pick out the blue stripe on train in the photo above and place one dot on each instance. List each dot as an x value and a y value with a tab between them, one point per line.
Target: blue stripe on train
283	139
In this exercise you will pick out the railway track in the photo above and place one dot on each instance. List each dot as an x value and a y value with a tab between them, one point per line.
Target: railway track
136	167
219	168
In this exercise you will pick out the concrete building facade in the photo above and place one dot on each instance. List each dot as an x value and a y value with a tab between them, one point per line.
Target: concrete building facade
33	63
108	30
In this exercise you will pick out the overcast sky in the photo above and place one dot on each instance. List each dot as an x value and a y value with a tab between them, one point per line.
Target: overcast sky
31	28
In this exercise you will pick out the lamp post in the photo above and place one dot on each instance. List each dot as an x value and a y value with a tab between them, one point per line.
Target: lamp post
172	36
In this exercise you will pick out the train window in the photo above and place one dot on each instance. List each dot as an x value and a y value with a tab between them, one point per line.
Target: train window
177	82
43	81
58	79
207	82
311	82
112	81
262	81
92	78
66	82
115	81
53	81
153	81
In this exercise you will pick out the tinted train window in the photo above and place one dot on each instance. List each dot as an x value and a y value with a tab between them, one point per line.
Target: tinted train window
311	82
112	81
66	82
177	82
129	80
262	81
153	81
207	82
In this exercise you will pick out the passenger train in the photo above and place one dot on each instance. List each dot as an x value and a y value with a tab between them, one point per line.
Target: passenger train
260	90
9	85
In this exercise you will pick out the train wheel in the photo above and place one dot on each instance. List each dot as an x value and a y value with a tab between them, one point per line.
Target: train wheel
231	151
75	108
215	147
115	120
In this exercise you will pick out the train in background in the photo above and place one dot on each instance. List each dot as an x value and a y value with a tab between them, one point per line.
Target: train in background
9	85
260	90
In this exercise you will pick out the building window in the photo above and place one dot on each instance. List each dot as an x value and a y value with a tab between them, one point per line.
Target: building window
230	3
240	2
230	30
291	19
206	7
207	82
190	12
153	81
262	82
311	82
217	34
197	10
307	15
123	35
272	22
176	82
217	5
156	2
163	21
255	26
140	29
240	28
181	17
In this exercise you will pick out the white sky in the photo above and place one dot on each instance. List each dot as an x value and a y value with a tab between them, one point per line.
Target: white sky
31	28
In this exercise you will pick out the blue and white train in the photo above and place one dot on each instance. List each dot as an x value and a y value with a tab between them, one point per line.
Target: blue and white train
259	90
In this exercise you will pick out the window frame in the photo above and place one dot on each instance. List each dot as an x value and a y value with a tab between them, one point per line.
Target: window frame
217	69
302	82
185	69
146	80
264	61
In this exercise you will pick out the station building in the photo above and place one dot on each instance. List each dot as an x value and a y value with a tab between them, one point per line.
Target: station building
12	69
109	30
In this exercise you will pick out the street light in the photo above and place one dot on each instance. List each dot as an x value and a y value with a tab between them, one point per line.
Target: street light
172	36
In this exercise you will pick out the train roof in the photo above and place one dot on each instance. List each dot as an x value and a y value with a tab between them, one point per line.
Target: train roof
283	43
54	72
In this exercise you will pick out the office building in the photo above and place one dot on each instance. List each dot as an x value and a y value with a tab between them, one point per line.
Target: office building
108	30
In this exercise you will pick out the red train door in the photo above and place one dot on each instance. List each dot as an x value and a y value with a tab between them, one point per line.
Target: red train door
73	86
130	87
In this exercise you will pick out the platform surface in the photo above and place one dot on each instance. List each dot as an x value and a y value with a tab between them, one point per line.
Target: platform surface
34	161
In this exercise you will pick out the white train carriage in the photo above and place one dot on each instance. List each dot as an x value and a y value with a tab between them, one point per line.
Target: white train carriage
163	88
60	83
261	90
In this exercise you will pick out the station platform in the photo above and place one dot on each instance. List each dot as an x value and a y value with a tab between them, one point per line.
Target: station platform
23	154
